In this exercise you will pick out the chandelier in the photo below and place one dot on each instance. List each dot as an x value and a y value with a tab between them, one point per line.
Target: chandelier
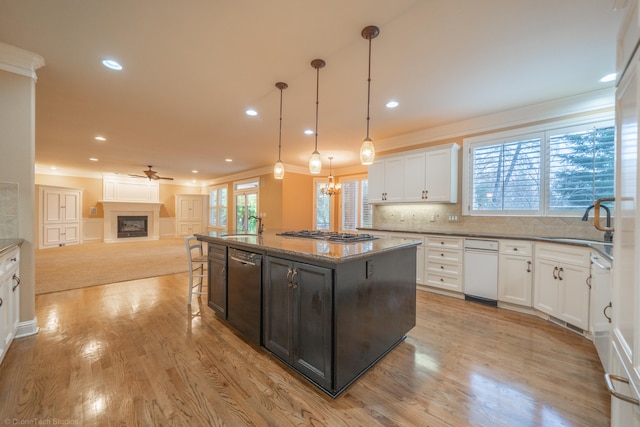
332	187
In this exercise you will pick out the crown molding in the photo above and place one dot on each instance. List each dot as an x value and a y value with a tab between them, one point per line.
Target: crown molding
19	61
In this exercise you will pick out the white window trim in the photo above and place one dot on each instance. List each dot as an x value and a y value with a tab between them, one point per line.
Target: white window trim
515	134
218	188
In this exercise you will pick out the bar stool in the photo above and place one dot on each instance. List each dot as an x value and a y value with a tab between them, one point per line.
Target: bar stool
197	263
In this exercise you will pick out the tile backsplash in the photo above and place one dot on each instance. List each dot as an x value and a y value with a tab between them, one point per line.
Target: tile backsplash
435	218
8	210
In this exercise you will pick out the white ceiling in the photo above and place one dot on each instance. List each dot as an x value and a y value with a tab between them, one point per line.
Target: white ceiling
192	68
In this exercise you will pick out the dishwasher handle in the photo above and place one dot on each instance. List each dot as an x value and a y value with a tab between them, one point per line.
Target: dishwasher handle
242	261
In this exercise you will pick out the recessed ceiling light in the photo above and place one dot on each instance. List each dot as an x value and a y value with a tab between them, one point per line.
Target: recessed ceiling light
608	78
111	64
194	171
251	112
228	160
53	168
100	138
93	159
308	132
392	104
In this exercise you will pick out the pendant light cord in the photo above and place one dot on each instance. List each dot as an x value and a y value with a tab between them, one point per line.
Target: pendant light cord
317	102
369	88
280	132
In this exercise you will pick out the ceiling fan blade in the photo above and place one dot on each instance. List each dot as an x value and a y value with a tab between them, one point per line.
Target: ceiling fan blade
137	176
164	177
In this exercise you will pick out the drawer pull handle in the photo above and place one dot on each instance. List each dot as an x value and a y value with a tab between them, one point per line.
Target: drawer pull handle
610	378
528	266
604	311
555	269
561	270
17	279
515	249
14	259
441	279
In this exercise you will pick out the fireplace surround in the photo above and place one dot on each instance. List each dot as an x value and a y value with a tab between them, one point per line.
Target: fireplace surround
132	226
113	210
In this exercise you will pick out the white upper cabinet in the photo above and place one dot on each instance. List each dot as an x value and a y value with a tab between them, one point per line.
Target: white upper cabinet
385	180
429	175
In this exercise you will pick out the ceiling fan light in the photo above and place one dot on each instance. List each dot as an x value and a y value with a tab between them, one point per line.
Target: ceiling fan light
315	163
278	170
367	152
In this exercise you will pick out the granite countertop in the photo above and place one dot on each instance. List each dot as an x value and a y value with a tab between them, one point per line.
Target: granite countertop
6	244
320	250
604	248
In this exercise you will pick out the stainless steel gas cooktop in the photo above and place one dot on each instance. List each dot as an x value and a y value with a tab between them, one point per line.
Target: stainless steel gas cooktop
331	236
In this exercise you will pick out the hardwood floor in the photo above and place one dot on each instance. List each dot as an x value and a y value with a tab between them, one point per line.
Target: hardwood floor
133	354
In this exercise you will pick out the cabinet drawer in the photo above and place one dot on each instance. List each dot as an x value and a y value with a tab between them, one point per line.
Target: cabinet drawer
9	260
445	282
444	255
516	247
445	269
444	242
564	254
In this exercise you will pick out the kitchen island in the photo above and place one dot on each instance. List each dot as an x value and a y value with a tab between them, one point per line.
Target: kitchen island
328	310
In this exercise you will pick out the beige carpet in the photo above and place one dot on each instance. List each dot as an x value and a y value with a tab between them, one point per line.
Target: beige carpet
79	266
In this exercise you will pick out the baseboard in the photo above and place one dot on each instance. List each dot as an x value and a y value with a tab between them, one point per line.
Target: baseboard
27	328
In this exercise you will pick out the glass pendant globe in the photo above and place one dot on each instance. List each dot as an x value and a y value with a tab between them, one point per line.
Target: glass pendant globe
315	163
367	152
278	170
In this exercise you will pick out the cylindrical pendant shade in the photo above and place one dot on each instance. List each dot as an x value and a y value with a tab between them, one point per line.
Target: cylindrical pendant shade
367	152
315	163
278	170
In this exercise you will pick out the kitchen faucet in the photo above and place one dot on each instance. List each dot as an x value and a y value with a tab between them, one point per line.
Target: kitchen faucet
608	235
259	219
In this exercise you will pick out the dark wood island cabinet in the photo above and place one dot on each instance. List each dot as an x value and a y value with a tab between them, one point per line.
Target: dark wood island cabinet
330	311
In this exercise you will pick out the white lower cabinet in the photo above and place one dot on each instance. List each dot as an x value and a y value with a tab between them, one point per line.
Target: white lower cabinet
561	284
515	272
444	262
9	298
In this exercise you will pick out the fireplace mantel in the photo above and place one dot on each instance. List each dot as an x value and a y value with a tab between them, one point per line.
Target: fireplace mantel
113	209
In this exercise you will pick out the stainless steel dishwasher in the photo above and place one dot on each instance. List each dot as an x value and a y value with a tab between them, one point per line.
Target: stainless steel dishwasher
481	270
244	293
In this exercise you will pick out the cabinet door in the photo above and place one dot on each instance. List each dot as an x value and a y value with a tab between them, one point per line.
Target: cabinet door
574	295
185	208
439	177
414	177
376	182
53	202
71	233
546	287
5	322
277	309
514	279
312	322
71	207
394	179
217	292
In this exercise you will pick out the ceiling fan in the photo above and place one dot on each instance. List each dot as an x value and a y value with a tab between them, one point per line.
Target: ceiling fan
151	174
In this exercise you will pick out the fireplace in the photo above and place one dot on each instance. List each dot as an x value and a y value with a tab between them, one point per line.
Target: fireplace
132	226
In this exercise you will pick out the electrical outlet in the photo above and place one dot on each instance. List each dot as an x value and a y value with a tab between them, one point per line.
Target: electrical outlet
432	218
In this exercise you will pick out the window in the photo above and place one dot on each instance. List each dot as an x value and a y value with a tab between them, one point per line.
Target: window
246	197
356	210
322	206
541	172
218	206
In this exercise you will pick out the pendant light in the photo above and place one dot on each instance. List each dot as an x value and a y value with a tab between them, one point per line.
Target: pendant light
278	168
367	150
332	188
315	162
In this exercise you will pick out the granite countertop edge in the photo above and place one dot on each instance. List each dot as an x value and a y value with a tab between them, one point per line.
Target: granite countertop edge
281	245
8	244
602	248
